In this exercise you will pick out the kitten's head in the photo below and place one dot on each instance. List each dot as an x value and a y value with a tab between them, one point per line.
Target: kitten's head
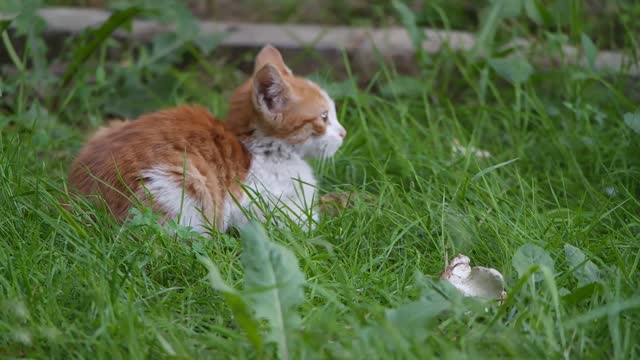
287	107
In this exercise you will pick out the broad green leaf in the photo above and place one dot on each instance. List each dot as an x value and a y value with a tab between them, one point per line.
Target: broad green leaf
206	43
436	291
590	50
273	284
98	36
529	255
515	70
584	270
416	319
581	293
165	48
236	303
632	120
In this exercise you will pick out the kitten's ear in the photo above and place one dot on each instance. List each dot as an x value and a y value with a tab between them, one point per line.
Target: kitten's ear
270	91
270	55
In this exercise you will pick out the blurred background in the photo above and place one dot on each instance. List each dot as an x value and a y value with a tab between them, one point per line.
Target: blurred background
606	20
145	70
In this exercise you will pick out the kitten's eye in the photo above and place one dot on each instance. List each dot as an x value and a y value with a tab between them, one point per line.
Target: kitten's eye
324	116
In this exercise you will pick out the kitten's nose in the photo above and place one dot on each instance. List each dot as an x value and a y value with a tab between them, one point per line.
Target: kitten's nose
342	133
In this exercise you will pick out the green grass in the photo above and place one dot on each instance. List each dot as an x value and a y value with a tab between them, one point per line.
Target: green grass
75	284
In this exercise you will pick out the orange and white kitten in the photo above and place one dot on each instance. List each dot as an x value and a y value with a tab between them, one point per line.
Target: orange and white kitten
190	166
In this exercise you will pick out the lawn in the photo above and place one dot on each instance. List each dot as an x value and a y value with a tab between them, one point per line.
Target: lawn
553	206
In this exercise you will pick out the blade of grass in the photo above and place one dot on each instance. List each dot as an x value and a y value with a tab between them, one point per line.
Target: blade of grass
492	168
13	55
82	54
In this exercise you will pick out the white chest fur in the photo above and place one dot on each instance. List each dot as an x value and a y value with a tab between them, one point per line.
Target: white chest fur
280	186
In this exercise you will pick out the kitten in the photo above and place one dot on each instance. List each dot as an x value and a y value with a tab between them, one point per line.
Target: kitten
186	164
